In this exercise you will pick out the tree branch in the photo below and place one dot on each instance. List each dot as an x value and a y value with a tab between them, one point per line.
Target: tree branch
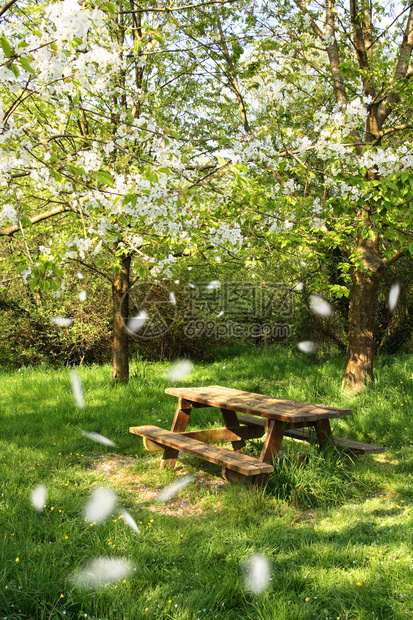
395	258
167	9
7	6
10	230
400	71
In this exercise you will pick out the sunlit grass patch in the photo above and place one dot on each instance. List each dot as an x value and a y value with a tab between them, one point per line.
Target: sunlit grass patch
335	531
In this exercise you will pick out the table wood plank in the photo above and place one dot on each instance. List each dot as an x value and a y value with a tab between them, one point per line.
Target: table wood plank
257	404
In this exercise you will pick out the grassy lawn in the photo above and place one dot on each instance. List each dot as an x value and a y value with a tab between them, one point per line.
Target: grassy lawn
338	534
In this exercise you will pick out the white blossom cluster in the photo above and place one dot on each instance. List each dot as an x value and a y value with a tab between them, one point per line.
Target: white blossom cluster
227	235
8	215
70	20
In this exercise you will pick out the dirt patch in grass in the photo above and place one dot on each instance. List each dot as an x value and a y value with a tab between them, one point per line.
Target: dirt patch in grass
120	472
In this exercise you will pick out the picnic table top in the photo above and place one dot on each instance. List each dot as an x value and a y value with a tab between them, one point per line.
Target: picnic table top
257	404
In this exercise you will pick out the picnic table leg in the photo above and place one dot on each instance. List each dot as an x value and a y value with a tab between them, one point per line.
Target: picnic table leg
231	420
324	434
179	424
273	441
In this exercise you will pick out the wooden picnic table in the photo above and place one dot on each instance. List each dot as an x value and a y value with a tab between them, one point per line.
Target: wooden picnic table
246	416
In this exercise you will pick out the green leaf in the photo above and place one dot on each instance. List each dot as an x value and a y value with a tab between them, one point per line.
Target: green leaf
15	70
411	248
159	38
58	177
26	221
25	64
111	8
33	283
6	47
21	268
105	177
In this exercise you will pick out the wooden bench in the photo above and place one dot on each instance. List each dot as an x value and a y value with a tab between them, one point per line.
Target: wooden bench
304	434
245	467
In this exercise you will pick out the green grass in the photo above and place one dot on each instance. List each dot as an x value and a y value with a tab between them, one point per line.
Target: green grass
325	526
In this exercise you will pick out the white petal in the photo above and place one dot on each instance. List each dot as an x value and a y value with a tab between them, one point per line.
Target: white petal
38	497
79	275
172	299
130	520
77	389
393	296
100	505
99	438
180	370
137	322
172	489
213	285
307	346
61	321
257	573
82	296
320	306
99	571
299	286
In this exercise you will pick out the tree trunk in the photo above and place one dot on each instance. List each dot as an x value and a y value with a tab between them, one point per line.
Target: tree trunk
120	343
363	299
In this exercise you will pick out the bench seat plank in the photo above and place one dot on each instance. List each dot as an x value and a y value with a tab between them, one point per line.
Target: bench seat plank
357	447
246	465
215	435
304	434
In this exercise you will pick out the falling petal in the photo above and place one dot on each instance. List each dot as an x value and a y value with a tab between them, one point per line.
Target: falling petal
393	296
212	286
61	321
137	322
172	299
176	281
38	497
77	389
257	573
220	313
99	571
307	346
191	285
79	275
99	438
100	505
180	370
172	489
320	306
82	296
299	286
130	520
